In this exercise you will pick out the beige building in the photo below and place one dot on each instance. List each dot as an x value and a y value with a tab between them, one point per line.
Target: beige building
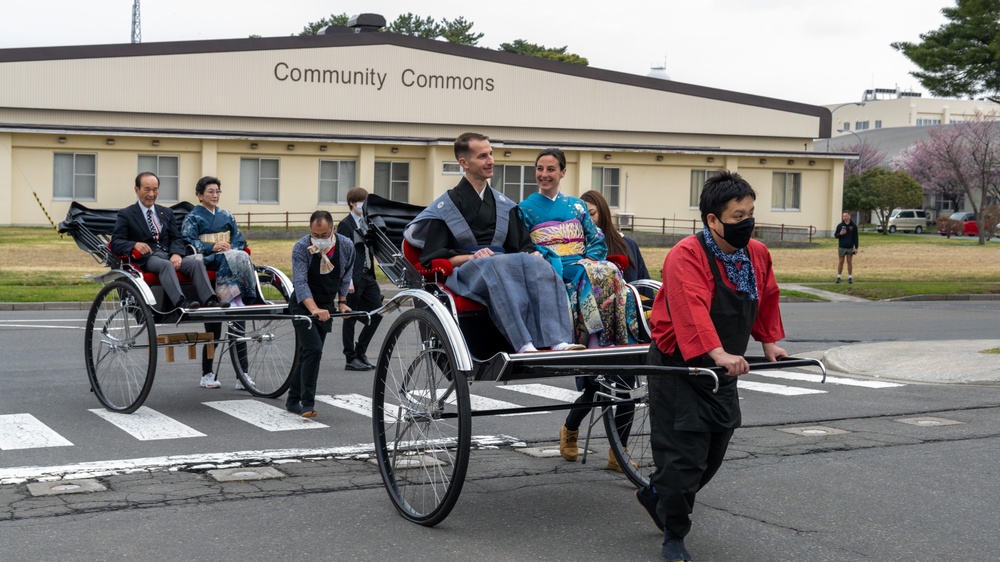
884	108
289	124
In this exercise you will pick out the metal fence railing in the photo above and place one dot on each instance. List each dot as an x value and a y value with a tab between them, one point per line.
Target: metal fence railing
684	227
286	220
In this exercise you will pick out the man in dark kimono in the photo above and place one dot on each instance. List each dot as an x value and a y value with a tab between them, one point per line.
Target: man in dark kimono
479	231
718	291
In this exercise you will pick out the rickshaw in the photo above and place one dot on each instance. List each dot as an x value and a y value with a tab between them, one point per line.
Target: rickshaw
129	321
442	343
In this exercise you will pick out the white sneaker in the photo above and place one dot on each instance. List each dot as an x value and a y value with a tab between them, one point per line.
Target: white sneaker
208	381
239	383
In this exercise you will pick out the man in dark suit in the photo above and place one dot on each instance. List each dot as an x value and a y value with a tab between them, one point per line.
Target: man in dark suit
149	230
364	294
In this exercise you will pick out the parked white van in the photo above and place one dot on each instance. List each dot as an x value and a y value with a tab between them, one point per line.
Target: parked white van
907	220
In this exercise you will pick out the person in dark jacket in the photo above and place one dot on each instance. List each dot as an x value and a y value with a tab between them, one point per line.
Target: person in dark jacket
847	246
364	293
321	274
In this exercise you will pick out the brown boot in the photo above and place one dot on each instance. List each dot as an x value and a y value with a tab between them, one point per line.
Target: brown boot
567	444
613	462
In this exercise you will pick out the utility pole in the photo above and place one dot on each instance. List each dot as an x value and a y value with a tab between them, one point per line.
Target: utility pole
136	27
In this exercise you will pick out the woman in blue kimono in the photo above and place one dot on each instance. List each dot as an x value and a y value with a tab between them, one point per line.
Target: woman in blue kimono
213	232
604	310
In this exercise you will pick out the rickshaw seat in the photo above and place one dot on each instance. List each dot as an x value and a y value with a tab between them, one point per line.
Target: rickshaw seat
152	279
440	269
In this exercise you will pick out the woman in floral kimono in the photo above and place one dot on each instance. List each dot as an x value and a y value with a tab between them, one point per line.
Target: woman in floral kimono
604	310
213	233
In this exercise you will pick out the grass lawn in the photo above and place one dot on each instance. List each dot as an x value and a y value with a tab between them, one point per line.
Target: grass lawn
36	265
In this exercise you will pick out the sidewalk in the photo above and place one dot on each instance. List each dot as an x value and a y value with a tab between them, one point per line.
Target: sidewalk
951	361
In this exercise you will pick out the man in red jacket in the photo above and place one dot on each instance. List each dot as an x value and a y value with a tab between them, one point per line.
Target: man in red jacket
718	291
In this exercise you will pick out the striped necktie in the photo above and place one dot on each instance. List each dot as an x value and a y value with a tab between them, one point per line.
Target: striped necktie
152	225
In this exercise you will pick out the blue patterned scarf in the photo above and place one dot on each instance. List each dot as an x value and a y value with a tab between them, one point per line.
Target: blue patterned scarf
742	277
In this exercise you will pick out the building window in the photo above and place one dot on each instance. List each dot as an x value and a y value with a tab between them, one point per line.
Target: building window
451	169
878	124
335	178
847	125
928	122
74	176
259	180
166	168
785	190
861	125
608	182
392	180
698	179
516	182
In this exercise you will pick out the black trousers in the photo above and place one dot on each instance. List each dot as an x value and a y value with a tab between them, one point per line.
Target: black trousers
685	460
366	297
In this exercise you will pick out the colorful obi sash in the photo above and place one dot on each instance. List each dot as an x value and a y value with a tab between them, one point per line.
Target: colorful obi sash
564	238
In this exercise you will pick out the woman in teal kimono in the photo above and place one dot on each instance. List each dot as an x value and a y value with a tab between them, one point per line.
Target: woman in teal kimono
214	234
604	310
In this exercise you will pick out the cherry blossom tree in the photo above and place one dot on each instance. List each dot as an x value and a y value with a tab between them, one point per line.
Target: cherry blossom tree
962	156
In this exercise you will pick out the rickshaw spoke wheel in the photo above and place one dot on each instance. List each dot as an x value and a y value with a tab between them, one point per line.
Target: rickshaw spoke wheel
264	353
422	419
626	422
120	347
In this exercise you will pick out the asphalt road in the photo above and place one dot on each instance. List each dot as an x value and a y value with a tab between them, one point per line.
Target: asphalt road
883	490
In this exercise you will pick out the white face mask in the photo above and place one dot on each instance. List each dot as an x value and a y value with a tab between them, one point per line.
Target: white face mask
358	208
322	243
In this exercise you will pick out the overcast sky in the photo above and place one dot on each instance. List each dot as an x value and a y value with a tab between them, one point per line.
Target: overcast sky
812	51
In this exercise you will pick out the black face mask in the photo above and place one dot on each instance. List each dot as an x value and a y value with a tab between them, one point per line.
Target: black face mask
738	235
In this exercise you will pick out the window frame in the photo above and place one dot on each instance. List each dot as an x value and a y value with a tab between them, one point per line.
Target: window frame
797	191
176	178
524	184
73	187
339	192
260	178
694	195
614	201
389	191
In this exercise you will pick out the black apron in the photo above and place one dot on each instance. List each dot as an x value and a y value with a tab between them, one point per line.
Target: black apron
696	407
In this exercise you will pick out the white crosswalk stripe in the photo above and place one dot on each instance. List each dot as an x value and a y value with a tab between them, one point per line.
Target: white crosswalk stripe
266	417
776	388
480	403
544	391
809	377
24	431
146	424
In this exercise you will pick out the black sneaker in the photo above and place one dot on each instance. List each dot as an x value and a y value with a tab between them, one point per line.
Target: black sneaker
648	498
850	281
673	549
356	365
838	280
295	408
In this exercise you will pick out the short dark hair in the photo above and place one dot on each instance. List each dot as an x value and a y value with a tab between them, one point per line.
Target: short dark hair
138	179
321	216
554	152
462	143
199	188
356	194
719	190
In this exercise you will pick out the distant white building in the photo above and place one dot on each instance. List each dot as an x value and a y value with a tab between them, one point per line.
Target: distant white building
882	108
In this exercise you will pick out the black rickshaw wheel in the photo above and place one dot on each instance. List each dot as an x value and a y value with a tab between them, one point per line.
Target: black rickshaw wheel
265	353
626	421
422	418
120	347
